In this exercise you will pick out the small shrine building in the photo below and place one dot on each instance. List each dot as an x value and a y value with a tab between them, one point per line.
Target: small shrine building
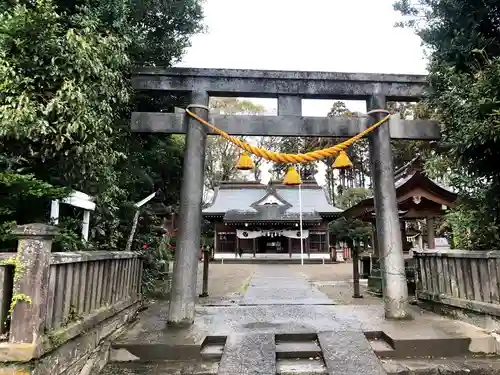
265	219
418	198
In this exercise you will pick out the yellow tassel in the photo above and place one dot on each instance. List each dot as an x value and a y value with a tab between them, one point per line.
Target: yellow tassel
342	161
245	163
292	177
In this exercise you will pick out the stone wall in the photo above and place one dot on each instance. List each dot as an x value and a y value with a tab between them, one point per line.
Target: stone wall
58	309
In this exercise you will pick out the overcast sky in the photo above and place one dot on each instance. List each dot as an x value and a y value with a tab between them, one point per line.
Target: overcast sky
312	35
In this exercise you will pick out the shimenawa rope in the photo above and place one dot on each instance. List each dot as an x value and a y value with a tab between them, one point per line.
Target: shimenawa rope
284	157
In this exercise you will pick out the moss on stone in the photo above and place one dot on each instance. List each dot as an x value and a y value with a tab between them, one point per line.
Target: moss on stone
19	267
19	271
56	338
17	297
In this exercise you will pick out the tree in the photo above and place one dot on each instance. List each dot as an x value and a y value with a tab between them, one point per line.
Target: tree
403	151
221	155
269	143
60	97
65	105
307	144
162	30
358	153
463	38
353	196
347	229
295	145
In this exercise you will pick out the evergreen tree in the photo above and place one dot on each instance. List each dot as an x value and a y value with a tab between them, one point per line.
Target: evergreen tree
463	38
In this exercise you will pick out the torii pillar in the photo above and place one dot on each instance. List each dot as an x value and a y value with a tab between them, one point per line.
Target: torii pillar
390	246
290	88
184	280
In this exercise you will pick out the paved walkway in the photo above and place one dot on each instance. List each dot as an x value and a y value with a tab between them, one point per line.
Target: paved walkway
279	314
275	286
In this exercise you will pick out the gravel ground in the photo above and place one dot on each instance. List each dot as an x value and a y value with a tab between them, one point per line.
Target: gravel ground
226	281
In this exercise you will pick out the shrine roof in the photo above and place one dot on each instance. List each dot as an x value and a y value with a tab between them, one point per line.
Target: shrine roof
410	182
253	201
268	214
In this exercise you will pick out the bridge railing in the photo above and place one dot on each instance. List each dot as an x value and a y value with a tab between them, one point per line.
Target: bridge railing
468	280
49	298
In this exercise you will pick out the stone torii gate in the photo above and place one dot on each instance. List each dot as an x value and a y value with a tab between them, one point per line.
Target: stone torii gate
289	88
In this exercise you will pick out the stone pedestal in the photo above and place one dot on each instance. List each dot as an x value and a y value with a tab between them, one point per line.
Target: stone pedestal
375	279
31	278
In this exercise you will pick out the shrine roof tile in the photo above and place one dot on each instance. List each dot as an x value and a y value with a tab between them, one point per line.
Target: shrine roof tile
236	197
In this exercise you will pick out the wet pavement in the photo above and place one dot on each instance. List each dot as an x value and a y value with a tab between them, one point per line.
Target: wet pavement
276	303
275	286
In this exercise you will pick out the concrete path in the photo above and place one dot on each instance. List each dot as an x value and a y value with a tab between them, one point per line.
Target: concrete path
282	324
275	286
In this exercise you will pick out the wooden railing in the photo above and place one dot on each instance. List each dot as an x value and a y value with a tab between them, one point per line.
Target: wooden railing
49	298
464	279
83	282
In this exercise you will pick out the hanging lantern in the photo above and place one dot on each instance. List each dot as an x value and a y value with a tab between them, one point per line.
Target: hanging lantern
292	177
245	163
342	161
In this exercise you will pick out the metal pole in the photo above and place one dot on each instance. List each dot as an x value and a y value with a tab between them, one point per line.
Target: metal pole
300	222
85	225
54	212
206	263
390	247
431	241
183	296
355	273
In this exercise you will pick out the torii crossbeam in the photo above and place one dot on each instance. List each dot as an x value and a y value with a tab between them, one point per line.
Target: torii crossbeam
289	88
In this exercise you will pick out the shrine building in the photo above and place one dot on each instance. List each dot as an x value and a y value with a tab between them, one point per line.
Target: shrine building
265	219
420	199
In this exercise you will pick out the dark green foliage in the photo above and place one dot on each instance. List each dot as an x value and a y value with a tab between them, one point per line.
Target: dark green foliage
348	230
162	29
294	145
463	38
65	102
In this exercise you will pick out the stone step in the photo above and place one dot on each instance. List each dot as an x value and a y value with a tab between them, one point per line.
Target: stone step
451	365
144	352
297	349
213	347
157	343
299	366
382	345
381	348
391	345
430	348
162	368
249	354
297	346
283	367
349	353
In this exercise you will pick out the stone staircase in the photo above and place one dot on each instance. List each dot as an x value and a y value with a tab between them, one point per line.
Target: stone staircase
260	353
325	353
283	325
